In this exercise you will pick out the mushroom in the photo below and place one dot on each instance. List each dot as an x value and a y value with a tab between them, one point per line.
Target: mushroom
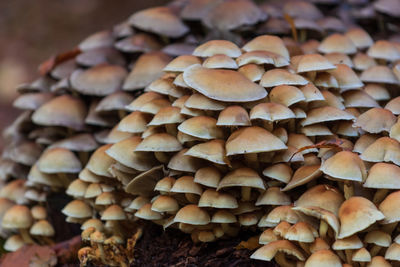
19	217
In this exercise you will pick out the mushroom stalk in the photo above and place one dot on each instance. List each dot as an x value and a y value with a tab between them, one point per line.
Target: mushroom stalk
231	231
375	250
348	253
282	261
246	193
341	255
84	157
348	189
305	247
161	157
25	236
389	228
171	129
380	194
102	254
252	160
64	179
323	229
192	198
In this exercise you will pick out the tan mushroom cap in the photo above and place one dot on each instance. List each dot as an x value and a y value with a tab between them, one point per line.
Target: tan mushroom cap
95	223
268	43
216	47
213	151
42	228
337	43
77	209
324	114
378	92
13	243
100	80
379	261
180	63
311	62
32	101
277	77
252	71
379	238
303	175
286	95
213	199
356	214
339	58
220	62
393	252
136	122
99	162
138	42
277	215
143	99
17	217
165	204
323	257
379	74
262	57
233	116
96	40
79	142
394	105
383	49
145	212
203	127
273	196
345	165
383	149
223	216
363	61
252	140
360	38
318	244
376	120
77	188
148	67
184	162
359	99
123	152
363	142
199	101
213	84
242	177
159	142
186	184
208	176
351	242
192	214
59	160
113	212
383	175
268	236
311	93
347	79
268	251
165	184
272	111
280	172
65	110
165	86
389	207
159	20
38	177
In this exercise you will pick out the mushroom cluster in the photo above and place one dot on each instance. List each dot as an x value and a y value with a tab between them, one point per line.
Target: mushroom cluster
302	149
297	140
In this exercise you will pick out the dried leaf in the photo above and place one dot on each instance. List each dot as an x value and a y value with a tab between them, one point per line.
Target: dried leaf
250	244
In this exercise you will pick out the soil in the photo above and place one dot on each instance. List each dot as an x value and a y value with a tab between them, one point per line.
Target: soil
157	248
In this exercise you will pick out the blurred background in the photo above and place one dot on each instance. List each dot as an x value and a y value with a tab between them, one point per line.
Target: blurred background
32	31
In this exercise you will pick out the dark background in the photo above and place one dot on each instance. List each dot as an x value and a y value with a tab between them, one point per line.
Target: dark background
32	31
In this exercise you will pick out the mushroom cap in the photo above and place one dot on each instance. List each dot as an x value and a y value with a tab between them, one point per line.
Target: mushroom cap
32	101
268	251
99	162
273	196
97	40
286	95
345	165
271	112
324	114
337	43
77	209
356	214
376	120
360	38
159	142
363	61
242	177
17	217
165	204
389	207
383	49
214	84
233	116
252	140
379	261
179	64
323	257
280	172
379	74
65	110
42	228
80	142
145	212
59	160
183	162
165	184
203	127
252	71
208	176
113	212
159	20
136	122
214	199
346	78
351	242
77	188
378	238
192	214
303	175
213	151
95	223
38	177
220	62
394	105
277	77
138	42
311	62
199	101
223	216
217	47
262	57
383	175
13	243
277	215
186	184
267	43
383	149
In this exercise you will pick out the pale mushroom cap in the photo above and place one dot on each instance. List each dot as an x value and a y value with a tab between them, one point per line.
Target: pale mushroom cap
192	214
242	177
223	216
337	43
378	74
42	228
326	113
199	101
99	162
280	171
360	38
159	142
253	140
143	99
233	116
213	84
165	184
38	212
273	196
267	43
393	252
203	127
18	216
13	243
376	120
136	122
379	261
286	95
183	162
303	175
383	49
220	62
165	204
180	63
346	78
277	77
208	176
379	238
268	251
95	223
159	20
279	214
65	110
271	112
356	214
145	212
351	242
213	151
324	257
186	184
383	149
220	200
300	232
59	160
77	209
216	47
383	175
113	212
345	165
311	62
389	207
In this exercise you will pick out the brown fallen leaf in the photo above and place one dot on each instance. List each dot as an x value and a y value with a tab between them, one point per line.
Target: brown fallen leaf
250	244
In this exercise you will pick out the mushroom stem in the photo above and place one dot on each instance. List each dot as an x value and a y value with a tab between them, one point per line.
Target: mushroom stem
268	125
102	254
161	157
171	129
246	193
305	247
292	125
121	114
282	261
323	229
252	160
341	255
389	228
375	250
380	194
303	35
348	189
64	179
25	236
192	198
84	157
231	231
348	253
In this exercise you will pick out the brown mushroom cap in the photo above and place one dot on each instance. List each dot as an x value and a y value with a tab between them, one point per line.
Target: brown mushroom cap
383	175
242	177
17	217
159	142
59	160
192	214
42	228
267	43
77	209
322	196
389	207
203	127
215	47
324	257
213	84
268	251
